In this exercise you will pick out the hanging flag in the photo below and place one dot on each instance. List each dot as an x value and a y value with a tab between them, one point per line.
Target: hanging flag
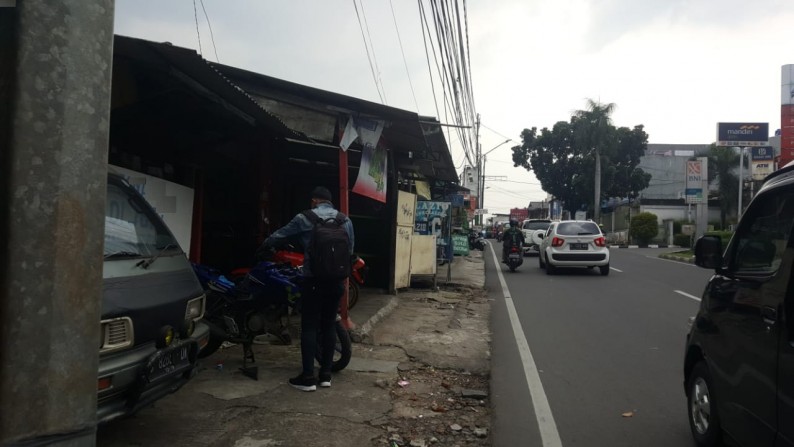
371	181
349	135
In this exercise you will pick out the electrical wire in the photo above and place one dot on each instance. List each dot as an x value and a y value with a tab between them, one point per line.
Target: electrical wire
366	47
405	62
501	135
374	54
446	101
195	16
212	36
427	57
445	41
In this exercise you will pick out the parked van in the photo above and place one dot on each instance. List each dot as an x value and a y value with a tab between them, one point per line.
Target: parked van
152	305
739	363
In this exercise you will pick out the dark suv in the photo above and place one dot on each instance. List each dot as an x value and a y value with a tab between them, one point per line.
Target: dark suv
739	363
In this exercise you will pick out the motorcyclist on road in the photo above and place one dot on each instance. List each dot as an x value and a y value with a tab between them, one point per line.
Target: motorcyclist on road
512	237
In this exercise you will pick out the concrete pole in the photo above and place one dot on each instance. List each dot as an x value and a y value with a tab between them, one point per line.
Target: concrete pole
55	69
741	174
702	221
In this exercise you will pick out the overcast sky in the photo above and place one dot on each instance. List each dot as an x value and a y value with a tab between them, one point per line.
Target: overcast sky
676	66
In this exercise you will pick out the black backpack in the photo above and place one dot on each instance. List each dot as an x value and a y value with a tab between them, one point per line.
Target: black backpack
329	248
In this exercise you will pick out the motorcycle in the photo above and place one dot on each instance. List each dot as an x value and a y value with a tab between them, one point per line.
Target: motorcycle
290	255
514	258
476	241
257	304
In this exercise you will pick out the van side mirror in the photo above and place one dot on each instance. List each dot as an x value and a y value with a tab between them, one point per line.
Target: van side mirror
708	252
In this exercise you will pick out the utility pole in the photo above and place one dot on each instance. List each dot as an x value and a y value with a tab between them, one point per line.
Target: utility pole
478	157
55	70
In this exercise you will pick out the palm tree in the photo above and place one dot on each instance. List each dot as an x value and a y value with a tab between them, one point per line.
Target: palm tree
596	133
722	163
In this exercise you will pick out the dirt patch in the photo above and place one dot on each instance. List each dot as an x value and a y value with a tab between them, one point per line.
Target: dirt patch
436	399
437	407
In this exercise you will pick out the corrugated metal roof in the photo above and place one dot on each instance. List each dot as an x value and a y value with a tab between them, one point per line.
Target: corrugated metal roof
186	65
404	133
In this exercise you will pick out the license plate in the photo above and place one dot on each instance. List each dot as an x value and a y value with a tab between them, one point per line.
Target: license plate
514	256
578	246
170	361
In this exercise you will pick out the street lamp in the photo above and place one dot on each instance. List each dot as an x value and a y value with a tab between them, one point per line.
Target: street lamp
481	175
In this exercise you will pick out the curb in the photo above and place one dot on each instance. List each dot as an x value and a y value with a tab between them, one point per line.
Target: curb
361	332
645	246
672	257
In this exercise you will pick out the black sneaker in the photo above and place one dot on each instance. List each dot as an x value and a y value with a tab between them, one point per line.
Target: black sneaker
325	380
303	383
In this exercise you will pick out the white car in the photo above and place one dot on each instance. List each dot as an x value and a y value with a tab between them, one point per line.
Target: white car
574	243
533	230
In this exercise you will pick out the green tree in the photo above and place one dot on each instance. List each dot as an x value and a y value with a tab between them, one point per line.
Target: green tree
596	134
722	163
552	155
566	157
644	227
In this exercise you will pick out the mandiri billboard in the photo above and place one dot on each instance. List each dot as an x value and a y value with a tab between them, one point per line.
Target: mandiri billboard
742	134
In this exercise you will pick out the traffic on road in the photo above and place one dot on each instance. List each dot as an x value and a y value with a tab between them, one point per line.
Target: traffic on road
582	359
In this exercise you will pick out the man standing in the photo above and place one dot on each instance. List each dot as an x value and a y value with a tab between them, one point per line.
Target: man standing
327	238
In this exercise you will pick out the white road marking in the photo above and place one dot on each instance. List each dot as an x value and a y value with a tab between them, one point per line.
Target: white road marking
687	295
613	268
549	435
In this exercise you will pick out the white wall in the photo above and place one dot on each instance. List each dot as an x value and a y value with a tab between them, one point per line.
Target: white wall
664	212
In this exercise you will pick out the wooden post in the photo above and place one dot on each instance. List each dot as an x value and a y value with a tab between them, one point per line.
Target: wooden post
344	206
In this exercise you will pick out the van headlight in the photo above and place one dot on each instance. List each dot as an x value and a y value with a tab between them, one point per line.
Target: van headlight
195	308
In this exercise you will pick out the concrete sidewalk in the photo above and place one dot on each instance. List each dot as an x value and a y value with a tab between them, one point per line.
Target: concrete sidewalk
418	376
374	305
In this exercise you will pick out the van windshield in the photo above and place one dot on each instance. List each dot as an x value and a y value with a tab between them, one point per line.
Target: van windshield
132	230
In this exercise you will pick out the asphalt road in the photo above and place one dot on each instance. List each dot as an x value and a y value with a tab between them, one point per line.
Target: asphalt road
601	346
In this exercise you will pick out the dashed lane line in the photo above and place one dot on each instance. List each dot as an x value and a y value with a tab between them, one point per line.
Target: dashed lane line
687	295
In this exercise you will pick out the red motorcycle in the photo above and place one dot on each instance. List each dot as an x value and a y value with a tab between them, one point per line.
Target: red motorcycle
358	270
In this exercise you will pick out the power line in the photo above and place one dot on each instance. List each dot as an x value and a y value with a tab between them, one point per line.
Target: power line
212	36
442	77
399	39
195	16
374	54
500	134
427	57
366	47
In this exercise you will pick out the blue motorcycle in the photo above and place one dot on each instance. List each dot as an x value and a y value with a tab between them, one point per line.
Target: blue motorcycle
258	302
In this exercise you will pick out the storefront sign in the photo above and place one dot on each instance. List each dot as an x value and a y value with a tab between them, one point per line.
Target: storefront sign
436	218
694	181
461	244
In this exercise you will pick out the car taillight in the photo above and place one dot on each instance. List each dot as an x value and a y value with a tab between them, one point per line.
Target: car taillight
557	242
600	241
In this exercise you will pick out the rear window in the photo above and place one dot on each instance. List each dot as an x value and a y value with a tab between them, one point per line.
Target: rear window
577	228
536	225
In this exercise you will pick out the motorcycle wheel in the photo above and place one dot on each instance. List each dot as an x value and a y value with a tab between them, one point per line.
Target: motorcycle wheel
352	293
343	350
512	269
